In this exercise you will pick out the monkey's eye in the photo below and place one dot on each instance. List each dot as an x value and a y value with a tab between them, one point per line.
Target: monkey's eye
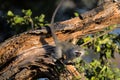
77	54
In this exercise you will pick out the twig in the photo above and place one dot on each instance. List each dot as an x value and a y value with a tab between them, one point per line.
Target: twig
32	23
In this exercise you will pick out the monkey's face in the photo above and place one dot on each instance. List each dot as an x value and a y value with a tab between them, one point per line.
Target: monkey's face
74	53
78	52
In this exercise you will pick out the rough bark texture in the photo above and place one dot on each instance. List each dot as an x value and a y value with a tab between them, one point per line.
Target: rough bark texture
27	56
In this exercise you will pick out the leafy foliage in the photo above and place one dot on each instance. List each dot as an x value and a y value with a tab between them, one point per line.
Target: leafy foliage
25	21
106	46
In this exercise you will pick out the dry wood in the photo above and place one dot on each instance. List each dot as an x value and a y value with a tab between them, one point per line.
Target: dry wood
27	56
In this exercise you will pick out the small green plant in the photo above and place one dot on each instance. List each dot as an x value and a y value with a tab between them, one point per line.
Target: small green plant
25	21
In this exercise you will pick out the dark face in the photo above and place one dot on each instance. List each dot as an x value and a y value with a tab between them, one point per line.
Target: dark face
77	53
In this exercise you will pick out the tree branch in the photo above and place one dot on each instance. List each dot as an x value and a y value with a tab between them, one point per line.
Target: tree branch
29	53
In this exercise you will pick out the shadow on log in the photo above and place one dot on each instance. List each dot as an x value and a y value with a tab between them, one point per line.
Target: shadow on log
28	55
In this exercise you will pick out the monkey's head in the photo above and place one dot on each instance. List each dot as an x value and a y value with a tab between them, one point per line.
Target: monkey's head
75	52
79	52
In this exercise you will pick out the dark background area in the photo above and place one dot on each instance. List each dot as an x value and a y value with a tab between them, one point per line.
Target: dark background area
37	7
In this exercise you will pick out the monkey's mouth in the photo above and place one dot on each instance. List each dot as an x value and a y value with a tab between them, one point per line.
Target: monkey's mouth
78	54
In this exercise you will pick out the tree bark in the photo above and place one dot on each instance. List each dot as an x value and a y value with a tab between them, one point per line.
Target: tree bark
28	55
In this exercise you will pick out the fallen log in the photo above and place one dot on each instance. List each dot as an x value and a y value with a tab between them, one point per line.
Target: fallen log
27	55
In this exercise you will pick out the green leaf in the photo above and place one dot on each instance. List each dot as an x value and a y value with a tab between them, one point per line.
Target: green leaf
41	18
108	53
108	45
112	26
41	24
118	79
98	49
93	78
27	12
94	63
10	13
87	39
18	20
76	14
104	68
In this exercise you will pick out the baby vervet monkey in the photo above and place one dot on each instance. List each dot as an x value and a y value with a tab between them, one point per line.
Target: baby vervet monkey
66	49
